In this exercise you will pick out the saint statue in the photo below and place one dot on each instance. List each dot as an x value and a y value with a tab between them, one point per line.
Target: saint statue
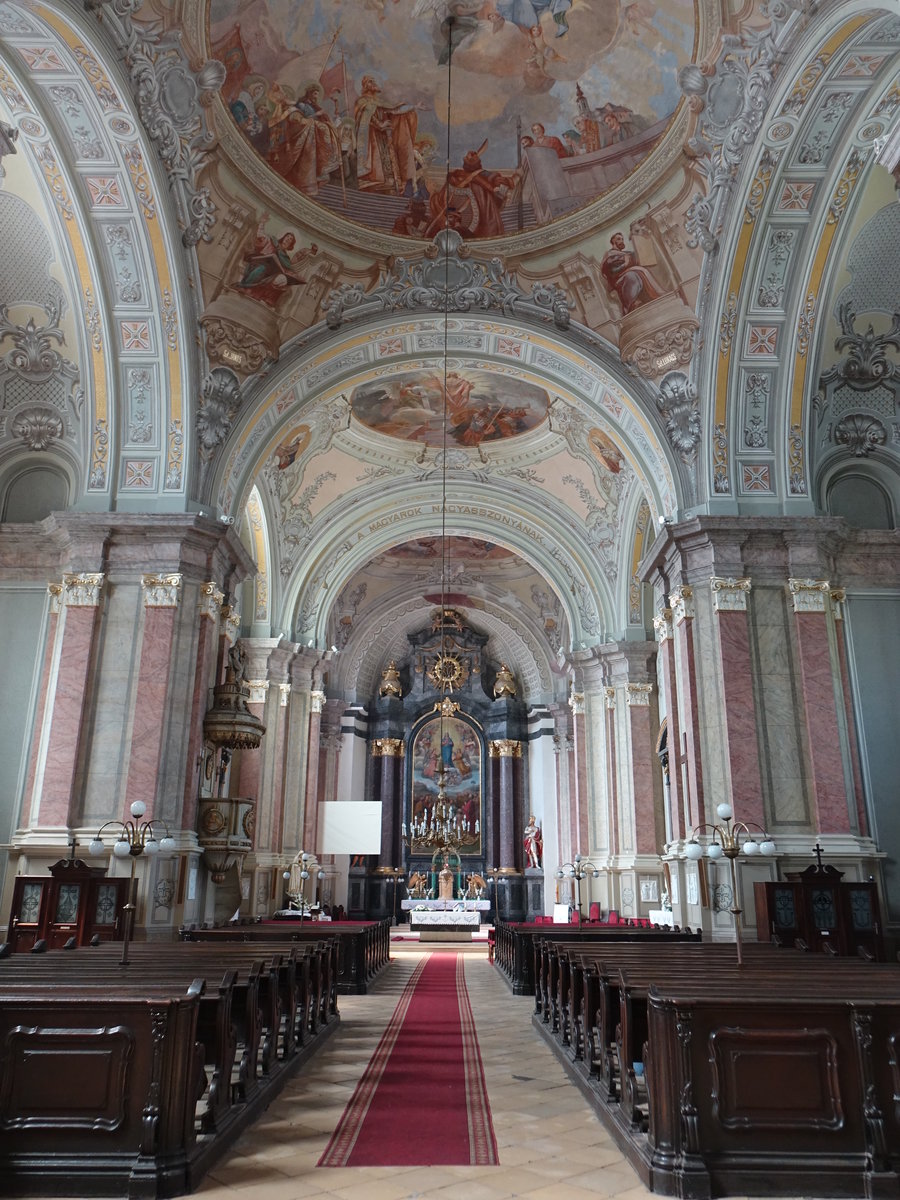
505	683
390	681
534	843
445	880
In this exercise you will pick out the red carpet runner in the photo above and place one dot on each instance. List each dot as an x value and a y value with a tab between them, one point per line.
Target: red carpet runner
422	1100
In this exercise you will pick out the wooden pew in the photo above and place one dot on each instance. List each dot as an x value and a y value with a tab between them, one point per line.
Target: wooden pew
247	1032
668	1117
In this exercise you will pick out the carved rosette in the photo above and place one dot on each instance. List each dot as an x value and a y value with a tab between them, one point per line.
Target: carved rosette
210	602
504	748
161	591
729	595
682	603
83	591
387	748
637	695
809	595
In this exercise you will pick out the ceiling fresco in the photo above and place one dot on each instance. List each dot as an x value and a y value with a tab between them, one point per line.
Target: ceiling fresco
552	103
480	407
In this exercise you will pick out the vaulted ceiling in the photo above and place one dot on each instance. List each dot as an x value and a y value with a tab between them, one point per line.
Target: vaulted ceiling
641	256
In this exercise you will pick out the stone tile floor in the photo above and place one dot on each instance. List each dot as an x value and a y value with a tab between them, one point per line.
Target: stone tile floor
551	1144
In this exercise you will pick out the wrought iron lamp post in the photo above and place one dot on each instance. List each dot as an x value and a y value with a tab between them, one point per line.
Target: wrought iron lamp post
731	840
298	895
579	869
136	837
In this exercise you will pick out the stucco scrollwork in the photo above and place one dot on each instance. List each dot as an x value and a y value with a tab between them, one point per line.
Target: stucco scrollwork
446	279
730	100
677	404
170	97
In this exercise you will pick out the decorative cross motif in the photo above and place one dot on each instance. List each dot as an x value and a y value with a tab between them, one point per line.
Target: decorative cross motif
72	845
817	851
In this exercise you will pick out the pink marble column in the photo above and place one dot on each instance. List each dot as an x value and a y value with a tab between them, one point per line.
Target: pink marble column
68	718
209	607
667	676
644	767
162	594
687	753
30	808
505	752
612	771
817	675
276	797
311	806
837	608
580	828
736	682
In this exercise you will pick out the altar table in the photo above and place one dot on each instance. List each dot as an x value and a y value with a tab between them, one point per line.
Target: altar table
439	925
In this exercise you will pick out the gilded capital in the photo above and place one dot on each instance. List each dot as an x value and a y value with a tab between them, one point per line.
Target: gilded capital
232	623
316	701
210	601
637	695
259	689
162	591
609	695
682	603
82	591
729	595
663	626
504	748
808	595
387	748
55	591
576	703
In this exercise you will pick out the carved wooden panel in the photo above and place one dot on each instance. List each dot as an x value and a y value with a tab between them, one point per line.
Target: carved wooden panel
775	1079
65	1079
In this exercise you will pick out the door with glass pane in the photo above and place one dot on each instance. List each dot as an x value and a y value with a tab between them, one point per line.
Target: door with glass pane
30	899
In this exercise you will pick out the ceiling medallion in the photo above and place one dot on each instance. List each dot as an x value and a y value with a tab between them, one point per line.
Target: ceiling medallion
447	672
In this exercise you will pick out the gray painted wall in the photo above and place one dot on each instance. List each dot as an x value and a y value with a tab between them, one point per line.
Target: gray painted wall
873	626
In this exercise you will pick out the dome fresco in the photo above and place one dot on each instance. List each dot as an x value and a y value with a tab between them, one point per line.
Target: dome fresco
552	103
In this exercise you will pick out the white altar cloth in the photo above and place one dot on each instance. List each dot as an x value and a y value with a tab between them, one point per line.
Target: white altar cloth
446	905
435	918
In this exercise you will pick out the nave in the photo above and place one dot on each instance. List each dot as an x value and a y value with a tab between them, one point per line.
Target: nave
550	1142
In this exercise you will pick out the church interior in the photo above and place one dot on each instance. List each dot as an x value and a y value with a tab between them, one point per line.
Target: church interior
449	483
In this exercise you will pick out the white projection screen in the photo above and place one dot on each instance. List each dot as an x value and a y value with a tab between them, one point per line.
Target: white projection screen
350	827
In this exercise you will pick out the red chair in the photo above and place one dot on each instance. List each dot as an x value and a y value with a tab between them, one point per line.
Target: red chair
575	918
613	918
594	913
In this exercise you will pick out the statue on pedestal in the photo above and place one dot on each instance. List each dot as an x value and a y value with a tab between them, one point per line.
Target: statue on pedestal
445	880
534	843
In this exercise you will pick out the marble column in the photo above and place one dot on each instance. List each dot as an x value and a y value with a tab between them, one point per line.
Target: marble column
612	768
644	768
687	756
730	598
68	720
388	755
830	773
31	804
161	596
209	607
580	826
311	804
506	751
838	597
665	639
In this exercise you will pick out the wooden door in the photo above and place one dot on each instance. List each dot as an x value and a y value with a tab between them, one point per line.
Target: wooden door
29	911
